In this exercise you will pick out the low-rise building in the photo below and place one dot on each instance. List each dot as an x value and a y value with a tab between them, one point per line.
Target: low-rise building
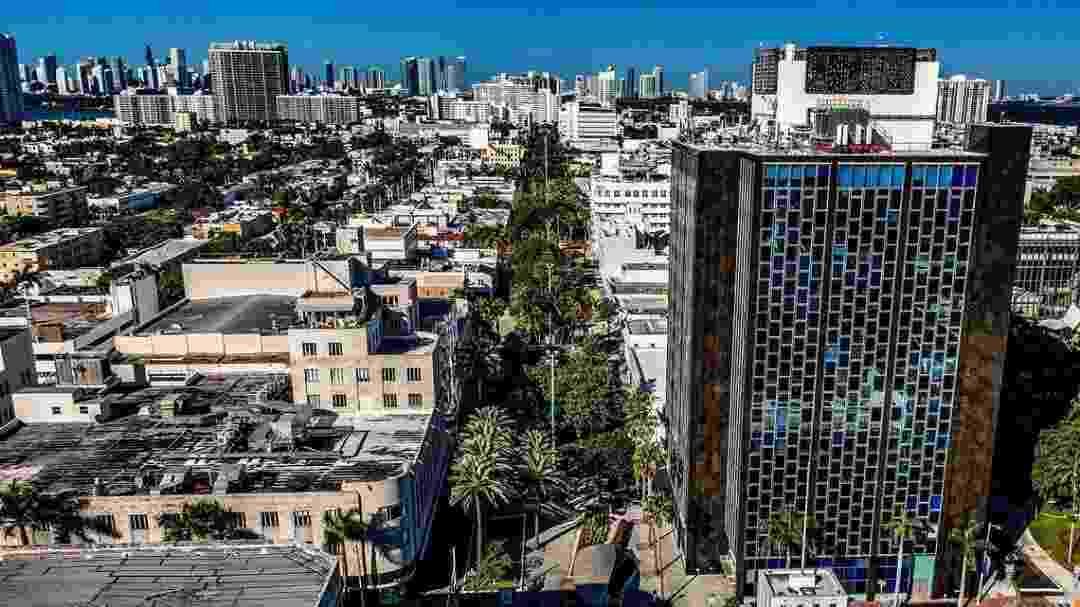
1047	270
800	588
384	243
185	122
137	199
242	223
504	155
616	200
147	453
18	371
61	207
321	109
58	249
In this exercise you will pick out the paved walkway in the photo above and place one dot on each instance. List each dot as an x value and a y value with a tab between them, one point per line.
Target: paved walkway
1052	569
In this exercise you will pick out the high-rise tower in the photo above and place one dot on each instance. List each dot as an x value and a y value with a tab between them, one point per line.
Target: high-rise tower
248	76
837	327
11	95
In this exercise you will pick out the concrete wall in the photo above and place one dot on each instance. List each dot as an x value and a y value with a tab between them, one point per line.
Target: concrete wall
17	369
210	280
201	343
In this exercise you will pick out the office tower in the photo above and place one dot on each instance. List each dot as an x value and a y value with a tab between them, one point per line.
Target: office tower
607	86
897	86
247	77
165	76
410	76
698	86
47	69
581	89
26	72
999	90
150	56
376	77
631	83
579	121
452	77
328	74
963	101
119	70
425	69
74	81
837	325
348	78
11	94
647	87
441	83
462	73
103	80
61	81
658	72
178	67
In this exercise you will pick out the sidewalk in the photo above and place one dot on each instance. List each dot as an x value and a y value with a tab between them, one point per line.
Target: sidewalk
1052	569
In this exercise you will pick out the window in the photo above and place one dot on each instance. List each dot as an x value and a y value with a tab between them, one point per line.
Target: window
311	376
412	374
301	518
313	400
337	376
138	522
57	410
309	348
268	519
389	375
389	401
390	300
340	401
335	348
84	410
416	401
362	375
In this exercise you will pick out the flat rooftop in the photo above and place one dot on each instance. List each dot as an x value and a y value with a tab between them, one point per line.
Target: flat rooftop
237	575
164	252
282	447
229	315
768	150
802	582
647	326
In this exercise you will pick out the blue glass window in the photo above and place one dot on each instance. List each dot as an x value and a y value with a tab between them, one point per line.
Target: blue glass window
943	440
771	173
875	279
845	342
945	176
935	503
914	358
875	262
823	172
800	313
783	176
933	406
843	176
804	279
891	216
804	262
793	235
830	359
789	290
931	176
898	177
958	176
918	175
777	281
795	197
796	176
838	439
769	194
778	230
858	176
843	360
803	296
814	304
777	263
769	442
912	502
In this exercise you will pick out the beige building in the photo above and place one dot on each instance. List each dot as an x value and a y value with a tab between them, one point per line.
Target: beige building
58	249
244	224
184	122
277	468
505	155
61	207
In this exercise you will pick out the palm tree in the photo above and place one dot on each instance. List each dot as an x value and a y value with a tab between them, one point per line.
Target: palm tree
902	526
476	480
966	537
200	520
782	532
539	469
22	506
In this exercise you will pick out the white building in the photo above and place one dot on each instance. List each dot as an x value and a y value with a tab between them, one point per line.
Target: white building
323	109
963	101
618	201
162	109
608	86
799	588
897	87
450	107
588	121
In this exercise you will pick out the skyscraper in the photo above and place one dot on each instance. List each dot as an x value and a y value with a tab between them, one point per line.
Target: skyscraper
441	83
462	74
410	76
119	69
178	67
150	57
247	77
963	101
425	69
647	87
376	77
1000	93
661	88
607	86
452	77
48	66
328	74
835	325
11	95
698	85
631	89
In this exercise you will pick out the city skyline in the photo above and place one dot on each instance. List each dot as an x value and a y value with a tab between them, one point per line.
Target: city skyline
1040	67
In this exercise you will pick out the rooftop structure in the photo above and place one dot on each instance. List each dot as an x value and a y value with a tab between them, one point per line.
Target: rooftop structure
800	587
261	575
164	254
271	314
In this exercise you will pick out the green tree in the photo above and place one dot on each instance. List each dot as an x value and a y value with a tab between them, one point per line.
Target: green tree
492	309
491	569
23	507
1056	473
902	526
965	536
104	280
202	519
479	477
538	468
344	528
785	530
582	389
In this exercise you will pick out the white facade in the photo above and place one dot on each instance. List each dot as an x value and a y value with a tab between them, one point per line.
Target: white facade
588	121
963	101
441	107
608	86
324	109
908	120
162	109
644	203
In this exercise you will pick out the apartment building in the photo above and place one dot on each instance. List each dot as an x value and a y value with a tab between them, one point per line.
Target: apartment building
248	78
277	468
1047	270
504	155
579	120
58	249
62	207
447	107
162	110
963	101
17	357
321	109
642	203
836	329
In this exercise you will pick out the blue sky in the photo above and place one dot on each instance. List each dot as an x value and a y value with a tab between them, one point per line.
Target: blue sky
1034	45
